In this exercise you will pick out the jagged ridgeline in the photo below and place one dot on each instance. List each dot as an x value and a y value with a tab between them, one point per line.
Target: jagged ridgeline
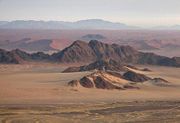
84	52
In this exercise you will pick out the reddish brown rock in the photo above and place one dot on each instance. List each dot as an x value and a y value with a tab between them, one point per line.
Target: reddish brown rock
102	80
105	65
86	82
73	83
101	83
135	77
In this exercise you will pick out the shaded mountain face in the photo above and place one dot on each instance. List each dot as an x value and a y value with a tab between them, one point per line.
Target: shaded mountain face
116	80
79	51
176	59
106	80
7	57
153	59
110	65
82	52
17	56
102	80
135	77
94	50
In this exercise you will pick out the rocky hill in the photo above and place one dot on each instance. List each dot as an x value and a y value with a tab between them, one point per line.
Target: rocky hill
102	80
17	56
135	77
110	80
81	51
7	57
105	65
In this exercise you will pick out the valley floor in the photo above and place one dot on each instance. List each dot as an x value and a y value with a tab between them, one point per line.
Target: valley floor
119	112
38	93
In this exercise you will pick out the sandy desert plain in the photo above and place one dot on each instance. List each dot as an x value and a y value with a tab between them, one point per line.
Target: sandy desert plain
38	93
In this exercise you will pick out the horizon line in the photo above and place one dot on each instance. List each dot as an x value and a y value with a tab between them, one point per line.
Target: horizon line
53	20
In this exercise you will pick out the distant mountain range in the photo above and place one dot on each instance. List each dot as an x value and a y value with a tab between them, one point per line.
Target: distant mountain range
18	56
83	52
89	37
82	24
29	45
174	27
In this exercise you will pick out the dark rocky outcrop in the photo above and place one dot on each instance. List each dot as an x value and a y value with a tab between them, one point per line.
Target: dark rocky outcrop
93	51
146	69
40	56
135	77
17	56
115	73
73	83
72	69
105	65
101	83
176	59
106	80
82	52
86	82
153	59
79	51
114	51
101	80
7	57
159	80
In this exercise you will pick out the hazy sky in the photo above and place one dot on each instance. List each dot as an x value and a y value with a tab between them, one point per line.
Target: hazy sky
132	12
